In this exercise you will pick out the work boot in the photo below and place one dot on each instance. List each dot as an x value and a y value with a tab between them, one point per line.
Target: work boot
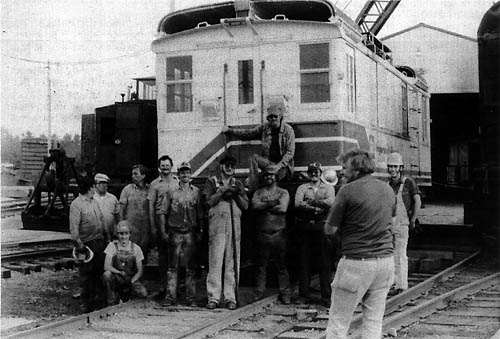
167	302
284	299
257	296
86	308
212	305
231	305
191	303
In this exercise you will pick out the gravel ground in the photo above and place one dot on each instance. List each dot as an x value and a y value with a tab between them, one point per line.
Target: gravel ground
47	296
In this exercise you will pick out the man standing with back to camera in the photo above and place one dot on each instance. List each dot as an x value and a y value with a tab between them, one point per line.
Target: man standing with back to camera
408	206
166	181
361	216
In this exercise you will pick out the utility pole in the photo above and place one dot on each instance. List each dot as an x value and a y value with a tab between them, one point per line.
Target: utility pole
49	108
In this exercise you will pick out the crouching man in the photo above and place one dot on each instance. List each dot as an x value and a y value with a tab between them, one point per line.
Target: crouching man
123	267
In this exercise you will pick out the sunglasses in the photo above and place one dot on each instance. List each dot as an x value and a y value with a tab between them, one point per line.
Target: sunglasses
272	117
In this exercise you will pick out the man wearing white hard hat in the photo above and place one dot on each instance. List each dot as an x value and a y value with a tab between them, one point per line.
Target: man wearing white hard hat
408	207
108	203
312	203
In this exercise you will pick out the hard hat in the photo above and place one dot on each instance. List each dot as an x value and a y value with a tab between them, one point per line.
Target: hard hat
395	159
329	177
99	177
183	166
84	255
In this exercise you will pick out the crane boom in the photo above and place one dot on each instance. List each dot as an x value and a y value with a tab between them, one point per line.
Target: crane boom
374	15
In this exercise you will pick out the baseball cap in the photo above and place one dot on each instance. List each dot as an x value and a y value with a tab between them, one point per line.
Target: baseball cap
99	177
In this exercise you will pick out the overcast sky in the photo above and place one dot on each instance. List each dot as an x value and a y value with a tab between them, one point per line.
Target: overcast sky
94	49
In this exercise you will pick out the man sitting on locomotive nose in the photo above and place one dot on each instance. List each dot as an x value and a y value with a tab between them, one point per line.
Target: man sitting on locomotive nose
123	267
278	145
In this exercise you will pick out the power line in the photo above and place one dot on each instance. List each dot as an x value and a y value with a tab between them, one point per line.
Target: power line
87	62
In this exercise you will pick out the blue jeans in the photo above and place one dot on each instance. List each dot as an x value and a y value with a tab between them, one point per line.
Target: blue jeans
272	246
181	249
365	281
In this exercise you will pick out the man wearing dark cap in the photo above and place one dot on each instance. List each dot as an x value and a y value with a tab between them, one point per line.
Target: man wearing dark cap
270	204
312	203
87	231
226	200
180	228
278	144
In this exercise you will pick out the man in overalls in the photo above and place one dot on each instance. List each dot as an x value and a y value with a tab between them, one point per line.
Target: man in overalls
408	207
181	217
226	200
134	207
123	267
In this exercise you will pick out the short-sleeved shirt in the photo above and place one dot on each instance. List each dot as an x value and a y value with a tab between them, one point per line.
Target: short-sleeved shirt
110	208
134	200
159	187
363	211
183	208
410	189
85	219
268	221
111	250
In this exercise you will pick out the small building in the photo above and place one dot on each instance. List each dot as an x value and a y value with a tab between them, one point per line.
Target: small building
33	150
449	63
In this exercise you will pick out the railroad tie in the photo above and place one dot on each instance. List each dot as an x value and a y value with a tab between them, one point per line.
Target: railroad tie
49	264
33	267
6	274
18	267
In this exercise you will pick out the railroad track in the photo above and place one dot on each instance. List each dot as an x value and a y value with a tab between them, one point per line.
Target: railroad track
32	257
448	289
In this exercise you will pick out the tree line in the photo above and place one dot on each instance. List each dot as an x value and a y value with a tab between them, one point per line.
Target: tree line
11	145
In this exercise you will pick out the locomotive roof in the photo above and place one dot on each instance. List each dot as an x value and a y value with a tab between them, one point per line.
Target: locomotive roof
306	10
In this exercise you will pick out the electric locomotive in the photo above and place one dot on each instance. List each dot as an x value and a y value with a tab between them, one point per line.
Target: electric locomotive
223	64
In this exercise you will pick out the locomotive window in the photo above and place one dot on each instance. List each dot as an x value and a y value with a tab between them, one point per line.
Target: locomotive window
404	109
314	73
245	81
424	118
350	89
179	82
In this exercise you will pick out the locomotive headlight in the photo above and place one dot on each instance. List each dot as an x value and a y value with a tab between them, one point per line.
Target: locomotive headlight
118	141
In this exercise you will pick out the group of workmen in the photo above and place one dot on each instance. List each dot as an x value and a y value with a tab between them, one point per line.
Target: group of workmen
369	219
